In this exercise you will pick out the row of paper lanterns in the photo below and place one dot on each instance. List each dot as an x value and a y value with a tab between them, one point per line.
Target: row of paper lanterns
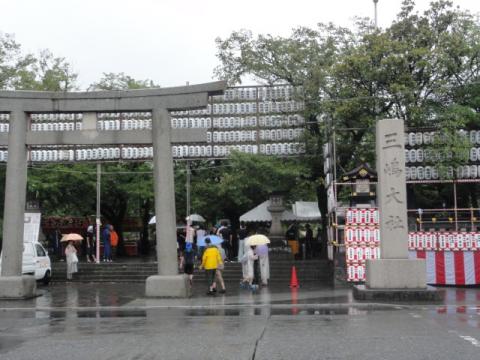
362	253
124	124
280	134
453	241
56	117
270	93
125	115
251	107
231	136
179	151
421	155
92	154
355	272
176	123
426	138
56	126
361	216
431	172
362	234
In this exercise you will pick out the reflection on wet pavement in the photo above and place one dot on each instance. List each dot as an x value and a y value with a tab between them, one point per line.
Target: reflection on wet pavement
112	296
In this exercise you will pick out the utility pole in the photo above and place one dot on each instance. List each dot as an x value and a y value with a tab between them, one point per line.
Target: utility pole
189	173
98	222
375	2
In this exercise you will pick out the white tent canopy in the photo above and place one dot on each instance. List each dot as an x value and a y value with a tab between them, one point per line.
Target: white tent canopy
260	213
306	210
302	211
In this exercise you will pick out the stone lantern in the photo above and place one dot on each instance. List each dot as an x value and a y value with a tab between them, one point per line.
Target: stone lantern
276	209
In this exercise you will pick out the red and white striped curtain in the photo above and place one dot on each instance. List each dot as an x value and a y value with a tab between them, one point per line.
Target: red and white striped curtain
450	267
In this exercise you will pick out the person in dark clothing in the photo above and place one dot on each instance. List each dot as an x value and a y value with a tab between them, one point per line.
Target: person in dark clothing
187	261
180	240
308	241
89	243
292	239
107	247
226	234
242	235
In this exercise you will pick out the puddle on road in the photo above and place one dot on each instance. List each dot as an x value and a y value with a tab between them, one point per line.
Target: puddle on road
8	343
59	315
245	311
324	300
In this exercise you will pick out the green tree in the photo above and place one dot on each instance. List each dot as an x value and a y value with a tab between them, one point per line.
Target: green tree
19	71
12	61
120	81
233	186
414	70
46	73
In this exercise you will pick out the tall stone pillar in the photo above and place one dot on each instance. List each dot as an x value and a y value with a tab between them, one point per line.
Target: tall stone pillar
12	283
168	283
393	270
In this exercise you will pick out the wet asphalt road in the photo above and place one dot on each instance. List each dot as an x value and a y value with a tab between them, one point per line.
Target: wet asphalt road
115	321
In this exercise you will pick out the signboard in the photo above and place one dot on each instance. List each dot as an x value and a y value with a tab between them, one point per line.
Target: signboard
31	227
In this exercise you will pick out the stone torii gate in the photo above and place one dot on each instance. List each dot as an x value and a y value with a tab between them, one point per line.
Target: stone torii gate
20	104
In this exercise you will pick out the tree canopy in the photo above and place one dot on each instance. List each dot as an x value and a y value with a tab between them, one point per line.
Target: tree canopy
424	68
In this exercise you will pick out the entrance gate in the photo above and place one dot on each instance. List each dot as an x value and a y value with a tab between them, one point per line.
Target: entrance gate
20	105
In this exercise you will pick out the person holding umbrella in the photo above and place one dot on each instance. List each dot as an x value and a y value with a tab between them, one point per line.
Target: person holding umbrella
210	261
72	260
254	241
71	253
262	252
247	261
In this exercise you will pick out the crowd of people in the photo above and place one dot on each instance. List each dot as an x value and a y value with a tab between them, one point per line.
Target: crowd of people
109	238
302	242
207	255
212	257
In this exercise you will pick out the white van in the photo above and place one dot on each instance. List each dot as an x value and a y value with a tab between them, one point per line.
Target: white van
35	262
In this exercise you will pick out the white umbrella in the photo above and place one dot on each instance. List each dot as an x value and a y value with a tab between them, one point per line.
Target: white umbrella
195	218
71	237
257	239
153	221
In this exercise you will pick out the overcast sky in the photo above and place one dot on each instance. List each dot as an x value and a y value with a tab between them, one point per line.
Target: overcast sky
168	41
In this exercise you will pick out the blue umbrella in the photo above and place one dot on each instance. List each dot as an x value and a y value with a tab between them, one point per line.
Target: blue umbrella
214	240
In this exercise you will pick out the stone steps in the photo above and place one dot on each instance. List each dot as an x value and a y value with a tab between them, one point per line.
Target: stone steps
280	271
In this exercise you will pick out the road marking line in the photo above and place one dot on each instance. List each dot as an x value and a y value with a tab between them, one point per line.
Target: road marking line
471	340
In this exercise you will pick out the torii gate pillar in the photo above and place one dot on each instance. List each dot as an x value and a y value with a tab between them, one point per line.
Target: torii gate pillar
168	283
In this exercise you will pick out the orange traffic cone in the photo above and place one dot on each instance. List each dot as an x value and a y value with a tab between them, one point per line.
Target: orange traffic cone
293	279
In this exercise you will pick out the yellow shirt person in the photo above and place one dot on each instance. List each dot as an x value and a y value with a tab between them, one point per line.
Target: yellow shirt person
211	258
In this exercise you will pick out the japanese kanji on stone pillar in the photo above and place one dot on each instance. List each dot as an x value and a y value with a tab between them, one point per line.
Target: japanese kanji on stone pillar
393	270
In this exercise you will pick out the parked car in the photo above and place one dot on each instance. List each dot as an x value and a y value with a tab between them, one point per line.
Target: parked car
35	262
